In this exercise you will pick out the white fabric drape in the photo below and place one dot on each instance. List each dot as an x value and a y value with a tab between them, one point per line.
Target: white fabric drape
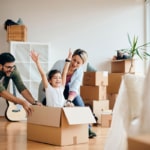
147	1
127	108
144	126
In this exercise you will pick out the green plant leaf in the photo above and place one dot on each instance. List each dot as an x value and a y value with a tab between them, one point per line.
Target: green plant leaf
135	49
129	40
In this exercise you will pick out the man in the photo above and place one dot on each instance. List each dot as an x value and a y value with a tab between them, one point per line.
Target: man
9	71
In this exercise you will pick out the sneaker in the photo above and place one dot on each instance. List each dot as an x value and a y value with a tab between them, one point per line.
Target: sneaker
91	134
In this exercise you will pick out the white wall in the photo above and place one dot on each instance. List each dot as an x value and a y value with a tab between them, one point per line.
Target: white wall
98	26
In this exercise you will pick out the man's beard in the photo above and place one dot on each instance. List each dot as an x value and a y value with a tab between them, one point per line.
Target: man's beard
8	73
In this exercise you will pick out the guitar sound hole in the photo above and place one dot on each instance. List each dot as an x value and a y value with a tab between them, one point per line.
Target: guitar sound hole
16	110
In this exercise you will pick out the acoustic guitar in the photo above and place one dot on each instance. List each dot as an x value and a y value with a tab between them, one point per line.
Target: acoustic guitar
15	112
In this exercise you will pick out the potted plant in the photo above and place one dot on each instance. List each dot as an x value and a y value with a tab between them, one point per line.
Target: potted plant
134	50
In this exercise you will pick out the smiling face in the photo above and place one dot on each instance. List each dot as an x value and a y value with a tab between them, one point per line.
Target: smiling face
79	57
56	80
7	63
76	62
8	68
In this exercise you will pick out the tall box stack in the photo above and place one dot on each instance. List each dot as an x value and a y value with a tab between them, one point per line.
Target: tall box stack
16	33
93	92
94	85
114	81
118	69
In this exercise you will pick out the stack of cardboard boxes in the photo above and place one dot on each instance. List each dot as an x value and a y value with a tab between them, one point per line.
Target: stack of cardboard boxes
93	92
118	69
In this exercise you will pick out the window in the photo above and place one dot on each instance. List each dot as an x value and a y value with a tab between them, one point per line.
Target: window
147	31
148	20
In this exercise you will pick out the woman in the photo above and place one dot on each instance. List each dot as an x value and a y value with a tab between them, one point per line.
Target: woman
74	76
74	79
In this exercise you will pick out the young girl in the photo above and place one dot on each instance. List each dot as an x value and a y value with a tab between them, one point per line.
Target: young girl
55	84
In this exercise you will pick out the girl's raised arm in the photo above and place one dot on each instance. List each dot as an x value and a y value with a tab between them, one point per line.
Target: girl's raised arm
66	67
35	58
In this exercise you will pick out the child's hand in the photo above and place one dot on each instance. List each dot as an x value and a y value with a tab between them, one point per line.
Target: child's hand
70	54
34	56
68	104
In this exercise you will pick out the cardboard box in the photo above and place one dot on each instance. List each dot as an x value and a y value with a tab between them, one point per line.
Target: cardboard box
106	118
139	142
98	107
122	66
93	92
95	78
16	33
114	81
59	126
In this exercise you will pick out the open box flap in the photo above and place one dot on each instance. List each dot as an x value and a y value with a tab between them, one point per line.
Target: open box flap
79	115
48	116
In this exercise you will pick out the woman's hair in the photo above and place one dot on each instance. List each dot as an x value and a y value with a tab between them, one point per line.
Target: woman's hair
82	53
6	57
52	73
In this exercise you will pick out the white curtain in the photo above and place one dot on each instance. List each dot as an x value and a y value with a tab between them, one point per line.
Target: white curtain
145	114
147	1
126	113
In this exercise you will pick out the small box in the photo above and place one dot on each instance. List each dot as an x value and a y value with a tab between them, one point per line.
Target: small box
98	107
139	142
95	78
59	126
114	81
106	118
16	33
122	66
93	92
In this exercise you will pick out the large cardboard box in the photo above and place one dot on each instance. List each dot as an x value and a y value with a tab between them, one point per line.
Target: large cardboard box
139	142
93	92
59	126
16	33
122	66
114	81
95	78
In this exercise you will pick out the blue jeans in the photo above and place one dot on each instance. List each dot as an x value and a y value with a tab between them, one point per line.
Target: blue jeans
77	100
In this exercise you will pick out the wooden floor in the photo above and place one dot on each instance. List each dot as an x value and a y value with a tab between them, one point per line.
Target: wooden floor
13	136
